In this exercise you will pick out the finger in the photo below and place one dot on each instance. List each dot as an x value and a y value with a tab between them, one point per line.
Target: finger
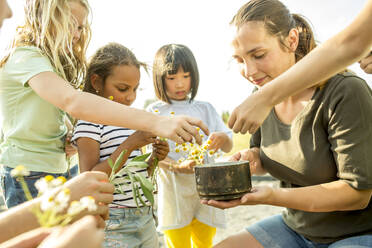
368	69
105	198
246	126
232	120
235	157
100	221
29	239
237	127
198	123
99	175
185	135
224	204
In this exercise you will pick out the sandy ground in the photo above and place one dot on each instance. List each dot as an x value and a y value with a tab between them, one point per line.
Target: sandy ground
237	218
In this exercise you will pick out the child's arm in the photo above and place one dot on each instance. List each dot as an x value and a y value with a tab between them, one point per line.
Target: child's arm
85	106
220	140
89	155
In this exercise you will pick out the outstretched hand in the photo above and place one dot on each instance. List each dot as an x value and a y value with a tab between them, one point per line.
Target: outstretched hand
179	128
250	114
258	195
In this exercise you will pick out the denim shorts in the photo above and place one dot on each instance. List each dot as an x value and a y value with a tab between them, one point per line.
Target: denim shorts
272	232
12	190
131	228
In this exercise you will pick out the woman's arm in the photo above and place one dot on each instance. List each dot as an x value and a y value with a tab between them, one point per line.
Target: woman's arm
328	197
334	55
92	108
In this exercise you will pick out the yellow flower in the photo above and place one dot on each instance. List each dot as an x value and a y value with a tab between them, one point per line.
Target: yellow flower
156	111
19	171
111	98
48	178
209	142
177	150
172	113
198	128
211	152
201	135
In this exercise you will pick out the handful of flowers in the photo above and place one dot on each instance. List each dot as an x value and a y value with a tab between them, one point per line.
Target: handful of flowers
55	208
199	153
137	180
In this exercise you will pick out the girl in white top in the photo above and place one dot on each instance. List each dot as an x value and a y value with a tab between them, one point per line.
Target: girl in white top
114	72
181	216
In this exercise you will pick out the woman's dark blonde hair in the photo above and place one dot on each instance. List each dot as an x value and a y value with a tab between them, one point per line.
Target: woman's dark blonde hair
48	25
278	22
168	60
105	59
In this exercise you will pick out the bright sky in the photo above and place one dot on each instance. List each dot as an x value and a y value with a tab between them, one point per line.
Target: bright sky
145	25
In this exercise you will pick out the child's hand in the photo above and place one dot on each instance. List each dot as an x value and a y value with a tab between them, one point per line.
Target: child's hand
218	139
160	149
186	167
141	138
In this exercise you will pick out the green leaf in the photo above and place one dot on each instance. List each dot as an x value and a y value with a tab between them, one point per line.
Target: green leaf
142	157
119	160
109	161
137	164
143	180
148	194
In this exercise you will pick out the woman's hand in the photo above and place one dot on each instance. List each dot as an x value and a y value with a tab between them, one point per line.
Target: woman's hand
366	63
249	115
179	128
253	156
160	149
258	195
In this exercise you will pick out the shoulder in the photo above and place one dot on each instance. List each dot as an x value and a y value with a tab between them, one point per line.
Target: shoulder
346	82
156	106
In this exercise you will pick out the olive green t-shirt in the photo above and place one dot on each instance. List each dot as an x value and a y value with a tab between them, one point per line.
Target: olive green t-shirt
329	140
33	129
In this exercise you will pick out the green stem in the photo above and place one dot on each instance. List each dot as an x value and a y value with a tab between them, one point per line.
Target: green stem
25	188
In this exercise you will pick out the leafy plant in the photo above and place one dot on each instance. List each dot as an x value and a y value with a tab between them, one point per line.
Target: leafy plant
137	180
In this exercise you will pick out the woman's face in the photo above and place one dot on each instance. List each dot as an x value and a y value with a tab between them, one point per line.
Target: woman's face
260	55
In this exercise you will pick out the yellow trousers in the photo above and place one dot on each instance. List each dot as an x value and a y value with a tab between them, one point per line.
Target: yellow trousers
196	235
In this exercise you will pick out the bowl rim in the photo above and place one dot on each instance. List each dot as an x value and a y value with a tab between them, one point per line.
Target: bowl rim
222	164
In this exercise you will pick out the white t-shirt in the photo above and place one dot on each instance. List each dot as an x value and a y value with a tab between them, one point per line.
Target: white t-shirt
178	200
109	138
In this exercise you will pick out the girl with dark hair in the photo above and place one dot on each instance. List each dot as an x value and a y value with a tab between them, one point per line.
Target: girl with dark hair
114	73
183	219
316	142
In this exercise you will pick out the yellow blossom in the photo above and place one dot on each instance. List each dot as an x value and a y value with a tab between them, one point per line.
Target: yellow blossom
18	171
111	98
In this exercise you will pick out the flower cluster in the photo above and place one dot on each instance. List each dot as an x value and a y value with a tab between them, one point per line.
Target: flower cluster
193	151
199	153
55	208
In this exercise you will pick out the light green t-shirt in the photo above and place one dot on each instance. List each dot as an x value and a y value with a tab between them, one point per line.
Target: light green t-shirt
34	129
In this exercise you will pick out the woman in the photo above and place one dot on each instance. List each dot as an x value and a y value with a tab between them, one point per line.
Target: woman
316	142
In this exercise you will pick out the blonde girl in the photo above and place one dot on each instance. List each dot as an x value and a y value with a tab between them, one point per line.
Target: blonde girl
39	81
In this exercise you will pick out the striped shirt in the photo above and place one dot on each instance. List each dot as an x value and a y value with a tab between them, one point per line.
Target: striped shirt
110	138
